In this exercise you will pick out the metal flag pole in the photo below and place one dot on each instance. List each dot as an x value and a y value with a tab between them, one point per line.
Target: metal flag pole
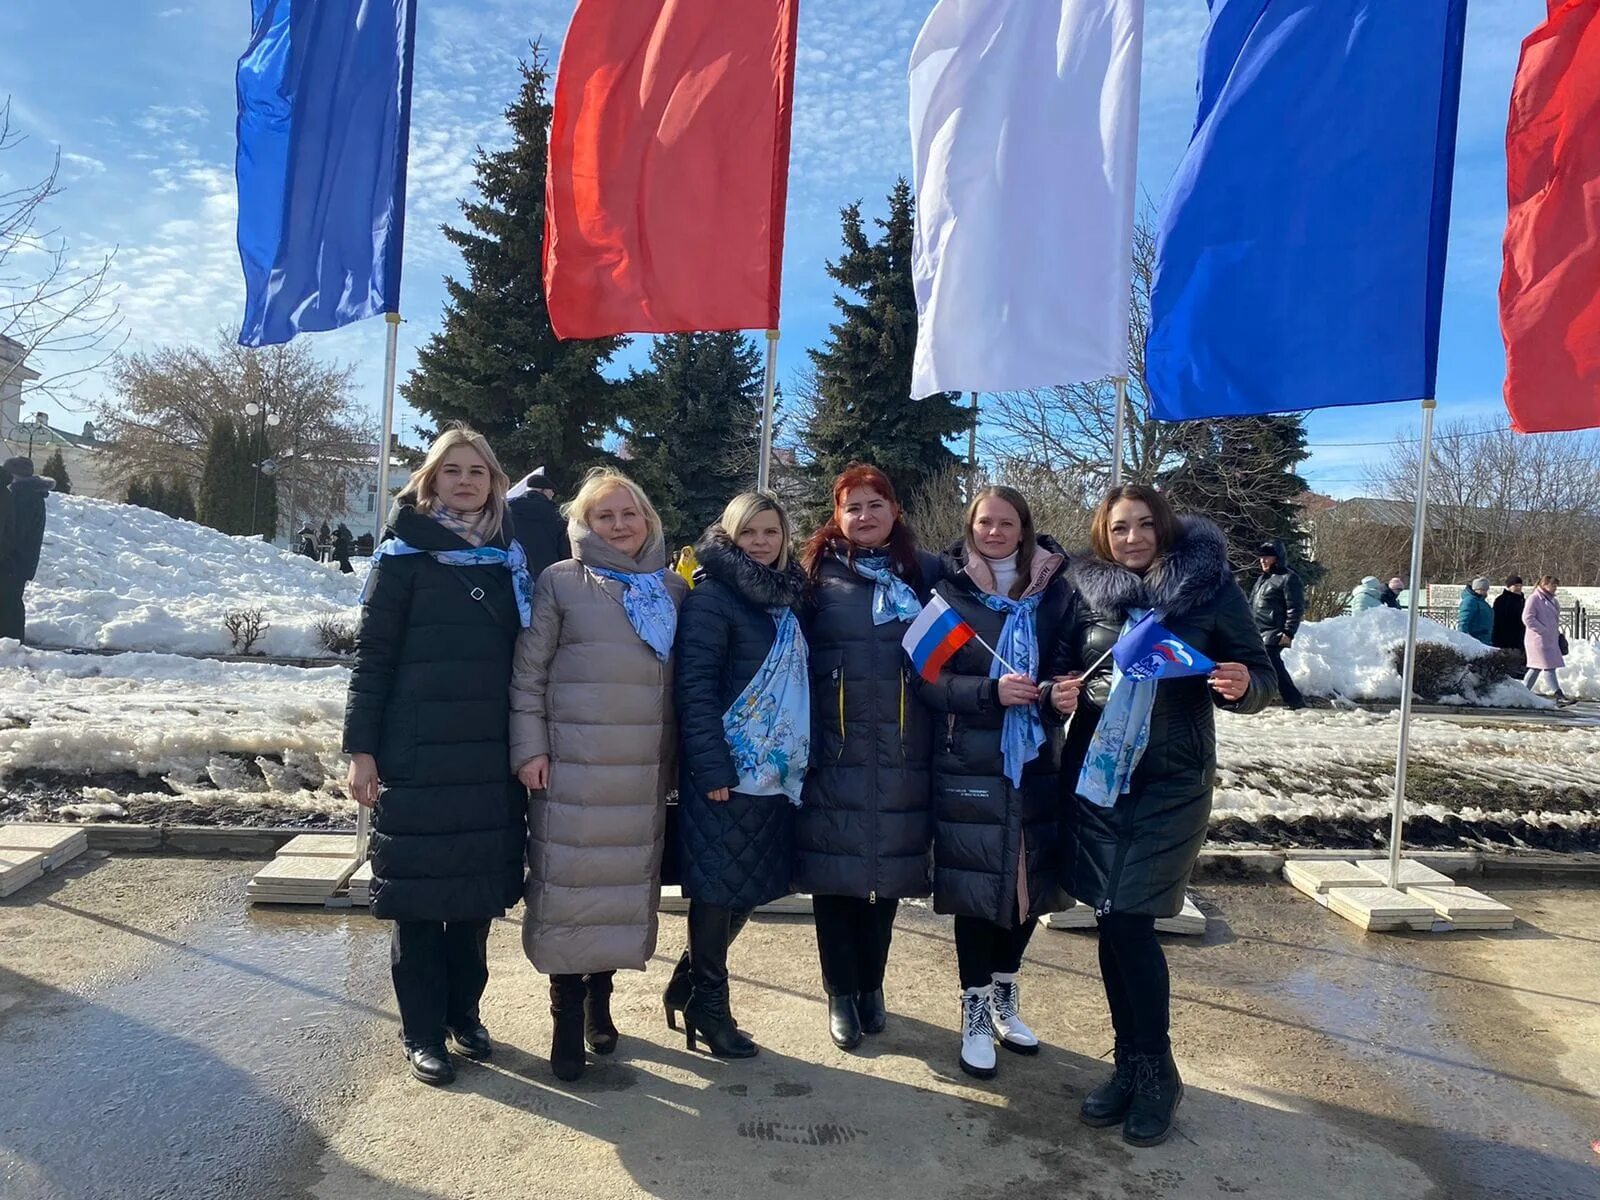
1408	673
764	468
1121	382
972	452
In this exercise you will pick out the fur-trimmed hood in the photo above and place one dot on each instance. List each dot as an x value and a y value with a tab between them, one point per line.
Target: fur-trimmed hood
1186	578
763	586
965	565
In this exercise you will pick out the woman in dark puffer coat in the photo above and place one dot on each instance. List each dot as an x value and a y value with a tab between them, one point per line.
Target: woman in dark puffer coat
996	754
426	727
865	825
744	723
1129	855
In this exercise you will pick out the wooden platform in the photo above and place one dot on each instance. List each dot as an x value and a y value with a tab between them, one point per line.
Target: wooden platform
1427	901
1381	908
57	843
1317	877
1465	908
1412	874
300	880
1190	922
19	868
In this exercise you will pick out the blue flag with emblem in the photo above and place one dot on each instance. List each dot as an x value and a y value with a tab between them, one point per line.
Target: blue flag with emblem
1151	651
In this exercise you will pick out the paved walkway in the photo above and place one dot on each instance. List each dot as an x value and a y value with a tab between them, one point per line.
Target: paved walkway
161	1040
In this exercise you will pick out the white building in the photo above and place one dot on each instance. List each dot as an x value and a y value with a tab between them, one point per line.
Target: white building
357	508
32	435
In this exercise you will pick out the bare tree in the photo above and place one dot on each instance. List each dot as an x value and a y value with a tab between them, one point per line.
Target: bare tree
58	309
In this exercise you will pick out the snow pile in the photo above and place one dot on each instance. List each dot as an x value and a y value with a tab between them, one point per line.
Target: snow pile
1581	678
117	576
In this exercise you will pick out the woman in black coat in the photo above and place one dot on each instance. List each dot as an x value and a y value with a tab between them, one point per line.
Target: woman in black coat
737	782
1131	860
865	825
426	727
995	794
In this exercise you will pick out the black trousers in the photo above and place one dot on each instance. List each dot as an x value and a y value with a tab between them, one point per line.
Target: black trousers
984	949
440	971
853	942
1138	985
13	618
1286	688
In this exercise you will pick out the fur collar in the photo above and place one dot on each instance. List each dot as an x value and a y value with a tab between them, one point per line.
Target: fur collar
1188	576
763	586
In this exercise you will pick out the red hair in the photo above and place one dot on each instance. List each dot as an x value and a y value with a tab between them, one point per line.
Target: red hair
901	547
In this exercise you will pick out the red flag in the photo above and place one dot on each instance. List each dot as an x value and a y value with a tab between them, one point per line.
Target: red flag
669	166
1550	291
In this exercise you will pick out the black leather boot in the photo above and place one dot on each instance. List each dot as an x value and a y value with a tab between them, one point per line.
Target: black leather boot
472	1041
844	1021
1157	1089
599	1033
870	1008
676	993
1108	1103
707	1013
567	993
430	1064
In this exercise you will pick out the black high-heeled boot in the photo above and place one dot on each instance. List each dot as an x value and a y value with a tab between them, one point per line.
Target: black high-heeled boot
707	1013
599	1032
567	994
676	994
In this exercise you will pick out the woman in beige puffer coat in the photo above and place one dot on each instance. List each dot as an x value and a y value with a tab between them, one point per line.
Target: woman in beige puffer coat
593	738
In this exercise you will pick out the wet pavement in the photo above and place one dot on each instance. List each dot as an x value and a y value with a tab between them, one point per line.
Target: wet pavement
160	1039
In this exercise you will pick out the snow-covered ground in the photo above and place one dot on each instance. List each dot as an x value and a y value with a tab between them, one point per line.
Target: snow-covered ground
117	576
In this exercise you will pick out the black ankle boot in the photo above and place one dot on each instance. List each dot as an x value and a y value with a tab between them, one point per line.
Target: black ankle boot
472	1041
599	1033
1108	1103
567	994
707	1013
844	1021
870	1008
430	1064
676	994
1157	1089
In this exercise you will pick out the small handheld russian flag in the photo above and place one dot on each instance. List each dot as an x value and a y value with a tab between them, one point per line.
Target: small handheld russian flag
936	634
1151	651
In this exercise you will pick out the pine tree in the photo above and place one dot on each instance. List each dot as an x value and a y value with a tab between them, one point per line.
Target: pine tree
139	493
695	427
156	495
862	407
219	485
496	363
55	468
179	500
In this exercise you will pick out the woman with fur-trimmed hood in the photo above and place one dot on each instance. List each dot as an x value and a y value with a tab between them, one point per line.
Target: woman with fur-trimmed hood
744	719
1139	768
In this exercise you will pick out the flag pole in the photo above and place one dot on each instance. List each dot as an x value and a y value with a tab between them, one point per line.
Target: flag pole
972	452
764	468
1408	673
1121	382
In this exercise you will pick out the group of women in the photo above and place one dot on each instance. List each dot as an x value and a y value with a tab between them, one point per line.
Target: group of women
518	738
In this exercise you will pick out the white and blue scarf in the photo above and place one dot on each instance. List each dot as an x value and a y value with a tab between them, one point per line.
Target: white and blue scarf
768	726
1122	735
649	606
892	597
1022	733
511	558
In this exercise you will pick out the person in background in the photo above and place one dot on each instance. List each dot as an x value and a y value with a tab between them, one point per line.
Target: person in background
344	546
1391	594
306	543
21	560
1544	642
1475	618
537	523
1508	631
426	728
1278	602
1366	596
685	563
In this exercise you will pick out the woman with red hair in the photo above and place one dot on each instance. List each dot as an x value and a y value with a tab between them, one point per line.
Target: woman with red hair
865	824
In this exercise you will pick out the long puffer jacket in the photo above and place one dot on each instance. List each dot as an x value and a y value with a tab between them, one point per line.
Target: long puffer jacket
1365	596
428	699
736	853
1136	857
985	828
865	825
588	692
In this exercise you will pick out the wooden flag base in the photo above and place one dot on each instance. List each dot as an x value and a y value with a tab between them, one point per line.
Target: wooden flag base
1426	901
1191	922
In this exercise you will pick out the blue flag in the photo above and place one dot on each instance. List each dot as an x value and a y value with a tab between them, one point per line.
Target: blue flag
1300	258
324	119
1151	651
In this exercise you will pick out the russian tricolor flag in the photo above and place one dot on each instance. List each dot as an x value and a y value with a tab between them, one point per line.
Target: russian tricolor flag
934	636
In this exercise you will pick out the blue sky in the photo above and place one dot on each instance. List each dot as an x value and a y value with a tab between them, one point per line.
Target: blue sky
139	99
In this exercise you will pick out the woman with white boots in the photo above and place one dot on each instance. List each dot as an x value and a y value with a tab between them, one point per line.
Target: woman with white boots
997	751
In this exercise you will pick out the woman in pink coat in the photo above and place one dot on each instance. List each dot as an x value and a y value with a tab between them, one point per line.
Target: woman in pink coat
1542	641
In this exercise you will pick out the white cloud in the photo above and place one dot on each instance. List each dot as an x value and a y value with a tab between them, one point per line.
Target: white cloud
79	165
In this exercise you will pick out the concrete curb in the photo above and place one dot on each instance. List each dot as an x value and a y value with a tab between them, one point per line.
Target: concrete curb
1217	863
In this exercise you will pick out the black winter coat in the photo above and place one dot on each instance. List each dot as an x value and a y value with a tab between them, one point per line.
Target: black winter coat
1508	630
1278	601
736	853
430	699
27	527
865	824
1137	856
539	527
982	824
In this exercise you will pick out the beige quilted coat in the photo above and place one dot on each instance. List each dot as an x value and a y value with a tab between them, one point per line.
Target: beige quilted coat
589	693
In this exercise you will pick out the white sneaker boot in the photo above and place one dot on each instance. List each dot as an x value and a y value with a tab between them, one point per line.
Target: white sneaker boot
1008	1024
977	1033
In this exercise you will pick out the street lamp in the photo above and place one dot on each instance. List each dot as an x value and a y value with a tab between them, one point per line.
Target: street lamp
39	421
273	419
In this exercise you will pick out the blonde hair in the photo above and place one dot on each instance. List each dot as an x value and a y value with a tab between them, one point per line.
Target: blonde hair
746	507
597	483
419	490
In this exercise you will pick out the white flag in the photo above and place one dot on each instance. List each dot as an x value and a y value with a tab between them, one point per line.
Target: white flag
1024	131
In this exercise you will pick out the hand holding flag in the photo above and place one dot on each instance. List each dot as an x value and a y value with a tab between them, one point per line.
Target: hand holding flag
1151	651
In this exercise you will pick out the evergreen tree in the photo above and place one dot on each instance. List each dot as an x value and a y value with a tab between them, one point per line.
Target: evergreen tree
55	468
179	500
156	495
862	408
139	493
219	486
259	499
695	427
496	363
